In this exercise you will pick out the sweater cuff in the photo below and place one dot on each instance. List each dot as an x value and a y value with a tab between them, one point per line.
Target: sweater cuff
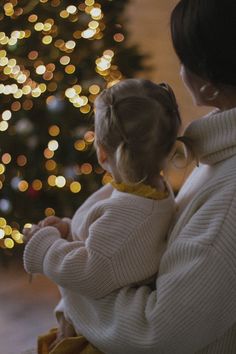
37	247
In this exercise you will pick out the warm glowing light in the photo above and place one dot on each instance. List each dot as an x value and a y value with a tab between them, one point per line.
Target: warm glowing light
60	181
50	165
39	26
50	67
77	34
77	89
64	14
21	78
47	40
48	153
33	18
93	25
27	105
89	2
3	222
85	109
27	226
6	158
23	186
94	89
86	168
40	70
3	61
52	180
89	137
47	26
8	242
70	92
54	130
16	106
12	41
103	63
48	75
119	37
108	54
37	185
2	169
42	87
70	69
33	55
75	187
2	234
3	126
88	33
49	212
71	9
53	145
6	115
96	13
107	178
7	230
12	63
65	60
17	236
70	44
21	160
80	145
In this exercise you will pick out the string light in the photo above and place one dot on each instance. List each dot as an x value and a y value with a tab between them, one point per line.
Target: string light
48	79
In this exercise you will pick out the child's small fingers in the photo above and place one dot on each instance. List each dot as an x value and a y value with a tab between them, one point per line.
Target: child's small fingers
51	220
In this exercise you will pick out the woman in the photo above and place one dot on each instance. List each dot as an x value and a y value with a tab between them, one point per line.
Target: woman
193	308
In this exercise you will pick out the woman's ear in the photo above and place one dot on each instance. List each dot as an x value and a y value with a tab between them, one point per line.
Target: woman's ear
101	154
209	92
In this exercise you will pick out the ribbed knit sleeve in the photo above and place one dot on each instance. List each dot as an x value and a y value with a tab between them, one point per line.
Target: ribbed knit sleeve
69	264
194	304
125	238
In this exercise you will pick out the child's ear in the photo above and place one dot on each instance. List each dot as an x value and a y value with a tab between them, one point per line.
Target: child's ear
101	154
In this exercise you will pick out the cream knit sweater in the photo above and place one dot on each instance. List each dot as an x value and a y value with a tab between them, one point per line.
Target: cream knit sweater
118	240
193	309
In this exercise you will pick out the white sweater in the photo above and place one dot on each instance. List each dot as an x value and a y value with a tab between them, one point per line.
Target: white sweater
119	239
193	309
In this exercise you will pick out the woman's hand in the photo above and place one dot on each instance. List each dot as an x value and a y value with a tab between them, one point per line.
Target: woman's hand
65	330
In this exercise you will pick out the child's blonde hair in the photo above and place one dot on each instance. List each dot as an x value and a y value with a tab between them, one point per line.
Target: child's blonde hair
137	122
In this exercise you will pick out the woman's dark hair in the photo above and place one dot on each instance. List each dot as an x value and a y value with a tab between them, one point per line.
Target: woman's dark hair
204	38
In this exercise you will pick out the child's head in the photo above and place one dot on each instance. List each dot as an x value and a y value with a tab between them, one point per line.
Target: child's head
136	124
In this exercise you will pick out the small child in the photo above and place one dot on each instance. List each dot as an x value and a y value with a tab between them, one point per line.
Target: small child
117	237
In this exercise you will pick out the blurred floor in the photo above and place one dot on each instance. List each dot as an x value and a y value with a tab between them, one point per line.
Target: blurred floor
26	309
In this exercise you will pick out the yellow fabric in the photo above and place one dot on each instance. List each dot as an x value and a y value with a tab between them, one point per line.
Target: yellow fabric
71	345
141	189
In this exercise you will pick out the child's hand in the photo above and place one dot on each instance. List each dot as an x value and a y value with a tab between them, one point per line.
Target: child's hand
65	330
29	232
58	223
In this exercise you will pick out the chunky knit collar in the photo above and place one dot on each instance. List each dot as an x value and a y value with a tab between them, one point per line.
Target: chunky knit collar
213	136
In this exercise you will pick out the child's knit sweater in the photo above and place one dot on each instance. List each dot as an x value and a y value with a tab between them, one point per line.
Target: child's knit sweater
118	241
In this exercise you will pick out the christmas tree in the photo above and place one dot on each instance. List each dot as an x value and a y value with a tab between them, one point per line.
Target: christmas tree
55	58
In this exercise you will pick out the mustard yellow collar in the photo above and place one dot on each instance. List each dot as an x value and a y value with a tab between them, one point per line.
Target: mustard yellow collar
142	190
